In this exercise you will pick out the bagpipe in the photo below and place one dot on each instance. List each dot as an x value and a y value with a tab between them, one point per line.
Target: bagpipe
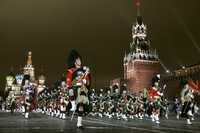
84	78
155	94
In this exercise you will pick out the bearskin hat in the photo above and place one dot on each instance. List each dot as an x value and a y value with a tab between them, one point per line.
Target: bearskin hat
73	55
155	79
183	83
26	77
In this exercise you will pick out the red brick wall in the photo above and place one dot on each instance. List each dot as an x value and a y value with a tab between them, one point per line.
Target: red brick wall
142	73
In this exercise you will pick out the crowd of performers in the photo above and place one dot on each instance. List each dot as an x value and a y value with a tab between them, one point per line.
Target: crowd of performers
72	96
149	104
68	95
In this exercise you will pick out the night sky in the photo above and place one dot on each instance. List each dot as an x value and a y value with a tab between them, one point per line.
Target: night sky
99	29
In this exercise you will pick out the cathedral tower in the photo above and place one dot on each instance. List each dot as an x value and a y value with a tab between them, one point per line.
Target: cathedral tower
29	69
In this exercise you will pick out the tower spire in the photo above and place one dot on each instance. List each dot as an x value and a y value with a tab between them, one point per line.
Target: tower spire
29	60
29	69
137	3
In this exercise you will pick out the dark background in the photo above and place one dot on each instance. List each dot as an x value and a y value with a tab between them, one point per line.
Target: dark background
99	29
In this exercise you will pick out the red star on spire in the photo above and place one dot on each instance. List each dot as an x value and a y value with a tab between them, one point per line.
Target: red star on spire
137	2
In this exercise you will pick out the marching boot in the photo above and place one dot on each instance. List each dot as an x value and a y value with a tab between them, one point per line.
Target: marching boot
73	106
177	117
157	119
140	116
26	115
52	113
63	116
190	113
166	116
189	122
23	109
48	112
124	117
192	118
153	117
100	115
58	113
79	122
55	112
109	116
43	110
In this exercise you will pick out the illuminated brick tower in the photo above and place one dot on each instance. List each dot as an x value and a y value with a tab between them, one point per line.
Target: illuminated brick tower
29	69
142	62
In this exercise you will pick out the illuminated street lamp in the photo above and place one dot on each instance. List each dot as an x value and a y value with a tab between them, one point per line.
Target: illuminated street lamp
183	67
167	71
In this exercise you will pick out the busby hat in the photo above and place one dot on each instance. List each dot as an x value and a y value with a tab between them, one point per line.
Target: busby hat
183	82
73	55
155	79
26	77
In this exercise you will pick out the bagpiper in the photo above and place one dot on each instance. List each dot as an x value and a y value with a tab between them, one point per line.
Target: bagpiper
64	103
29	95
155	99
187	100
41	88
9	90
78	82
